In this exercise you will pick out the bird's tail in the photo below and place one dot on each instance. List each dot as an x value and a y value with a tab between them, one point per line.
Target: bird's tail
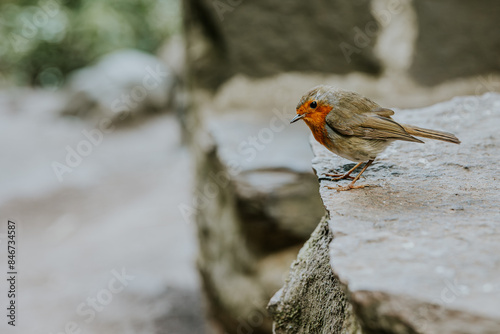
432	134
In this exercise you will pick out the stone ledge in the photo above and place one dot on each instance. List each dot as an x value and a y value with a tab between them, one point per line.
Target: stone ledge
426	236
419	250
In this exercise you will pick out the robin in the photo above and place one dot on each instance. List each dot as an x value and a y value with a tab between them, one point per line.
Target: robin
356	128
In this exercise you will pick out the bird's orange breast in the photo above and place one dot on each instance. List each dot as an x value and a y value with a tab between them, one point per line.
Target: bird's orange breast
317	124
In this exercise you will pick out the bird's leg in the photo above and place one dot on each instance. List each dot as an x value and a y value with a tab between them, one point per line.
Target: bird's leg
336	177
351	185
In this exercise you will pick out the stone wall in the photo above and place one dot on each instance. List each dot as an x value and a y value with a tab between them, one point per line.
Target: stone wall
429	42
249	62
253	210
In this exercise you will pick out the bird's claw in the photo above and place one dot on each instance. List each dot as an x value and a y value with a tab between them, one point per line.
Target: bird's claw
348	187
337	177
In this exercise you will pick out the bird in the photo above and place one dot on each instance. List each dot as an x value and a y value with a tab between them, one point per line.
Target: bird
356	128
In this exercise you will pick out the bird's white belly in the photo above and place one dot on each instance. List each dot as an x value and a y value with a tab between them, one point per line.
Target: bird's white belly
355	148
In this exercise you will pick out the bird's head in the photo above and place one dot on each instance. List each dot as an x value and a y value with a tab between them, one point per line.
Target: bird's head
315	105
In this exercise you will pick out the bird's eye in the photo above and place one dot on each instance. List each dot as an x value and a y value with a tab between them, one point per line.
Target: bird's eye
313	104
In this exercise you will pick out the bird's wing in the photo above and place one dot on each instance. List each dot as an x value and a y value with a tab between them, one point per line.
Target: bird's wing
384	112
360	121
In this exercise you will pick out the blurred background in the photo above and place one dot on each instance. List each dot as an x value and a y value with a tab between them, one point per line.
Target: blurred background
146	154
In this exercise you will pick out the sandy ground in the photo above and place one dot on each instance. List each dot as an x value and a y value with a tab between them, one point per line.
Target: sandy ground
106	250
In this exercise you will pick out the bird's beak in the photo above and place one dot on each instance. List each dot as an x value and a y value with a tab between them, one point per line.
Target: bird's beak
297	117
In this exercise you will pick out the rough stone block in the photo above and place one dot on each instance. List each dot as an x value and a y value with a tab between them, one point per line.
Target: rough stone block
263	38
257	204
419	250
312	300
455	39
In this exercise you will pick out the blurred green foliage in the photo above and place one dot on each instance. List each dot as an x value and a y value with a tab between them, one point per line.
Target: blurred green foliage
42	40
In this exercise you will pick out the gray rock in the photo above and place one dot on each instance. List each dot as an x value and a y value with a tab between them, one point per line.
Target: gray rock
432	42
120	86
256	205
312	300
452	44
262	38
419	250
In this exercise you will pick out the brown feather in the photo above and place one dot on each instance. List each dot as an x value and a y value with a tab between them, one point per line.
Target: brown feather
366	124
432	134
384	112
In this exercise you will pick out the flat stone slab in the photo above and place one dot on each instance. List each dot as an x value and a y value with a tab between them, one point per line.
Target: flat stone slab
422	244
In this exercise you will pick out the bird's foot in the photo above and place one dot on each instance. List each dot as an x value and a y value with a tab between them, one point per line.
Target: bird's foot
349	187
337	177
